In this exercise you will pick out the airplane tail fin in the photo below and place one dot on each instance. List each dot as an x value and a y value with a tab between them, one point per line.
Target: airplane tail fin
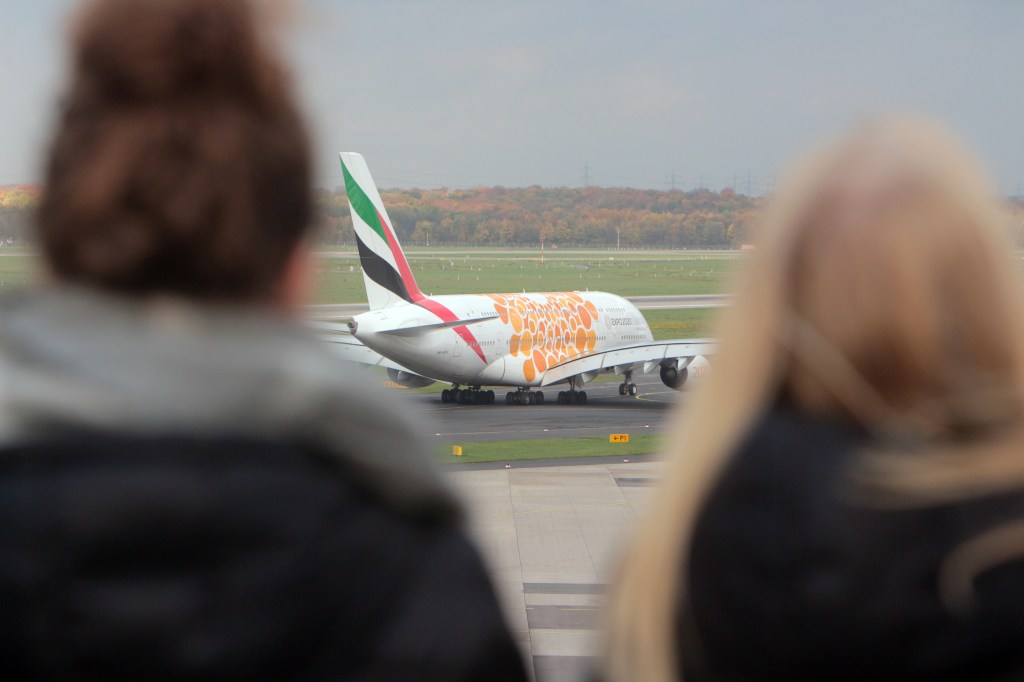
386	272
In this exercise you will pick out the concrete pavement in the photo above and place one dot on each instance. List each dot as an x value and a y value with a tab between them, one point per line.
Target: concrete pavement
551	537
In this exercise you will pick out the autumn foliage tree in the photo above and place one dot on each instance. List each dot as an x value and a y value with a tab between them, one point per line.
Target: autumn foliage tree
503	216
558	216
16	206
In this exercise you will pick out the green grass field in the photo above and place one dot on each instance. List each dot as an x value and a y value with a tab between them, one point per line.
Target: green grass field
693	323
483	271
17	268
521	450
470	271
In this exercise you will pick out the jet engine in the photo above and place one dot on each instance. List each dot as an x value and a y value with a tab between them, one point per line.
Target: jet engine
674	378
408	379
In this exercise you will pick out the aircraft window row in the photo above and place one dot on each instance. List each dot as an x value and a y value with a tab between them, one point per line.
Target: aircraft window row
541	341
566	311
562	311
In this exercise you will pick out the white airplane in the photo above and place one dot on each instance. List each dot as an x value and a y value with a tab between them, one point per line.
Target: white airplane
524	341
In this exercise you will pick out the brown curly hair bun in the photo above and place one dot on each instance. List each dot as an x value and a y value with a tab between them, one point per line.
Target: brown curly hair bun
180	164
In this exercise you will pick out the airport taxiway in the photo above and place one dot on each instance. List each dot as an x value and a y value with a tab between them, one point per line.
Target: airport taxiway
606	412
552	531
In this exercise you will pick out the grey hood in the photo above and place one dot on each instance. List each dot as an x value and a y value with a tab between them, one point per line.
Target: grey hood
75	359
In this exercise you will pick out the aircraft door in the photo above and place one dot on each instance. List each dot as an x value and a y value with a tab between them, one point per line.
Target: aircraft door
457	349
604	330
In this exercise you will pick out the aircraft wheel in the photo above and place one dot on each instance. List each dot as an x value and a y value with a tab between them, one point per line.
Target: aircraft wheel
508	398
581	397
531	399
632	389
490	397
622	389
444	396
540	397
561	397
474	398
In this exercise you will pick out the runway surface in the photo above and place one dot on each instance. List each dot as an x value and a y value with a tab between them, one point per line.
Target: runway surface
606	412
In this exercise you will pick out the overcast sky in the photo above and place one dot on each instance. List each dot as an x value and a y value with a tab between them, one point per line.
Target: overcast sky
477	92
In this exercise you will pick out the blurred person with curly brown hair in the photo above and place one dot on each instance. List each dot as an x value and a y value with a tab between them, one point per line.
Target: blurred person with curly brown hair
190	486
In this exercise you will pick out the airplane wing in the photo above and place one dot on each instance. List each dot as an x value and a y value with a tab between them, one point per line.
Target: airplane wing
643	358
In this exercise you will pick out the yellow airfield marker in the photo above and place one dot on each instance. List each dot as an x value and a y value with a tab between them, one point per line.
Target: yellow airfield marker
618	438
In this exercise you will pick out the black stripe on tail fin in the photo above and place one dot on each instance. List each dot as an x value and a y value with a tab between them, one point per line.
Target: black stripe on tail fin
381	272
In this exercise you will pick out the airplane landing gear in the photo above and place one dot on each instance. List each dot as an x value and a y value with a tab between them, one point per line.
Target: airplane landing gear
627	387
524	397
467	396
572	396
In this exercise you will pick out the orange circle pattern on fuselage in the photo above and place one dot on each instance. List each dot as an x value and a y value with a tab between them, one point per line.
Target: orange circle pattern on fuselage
548	329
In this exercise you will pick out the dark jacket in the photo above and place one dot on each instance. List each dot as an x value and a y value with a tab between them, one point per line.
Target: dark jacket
159	558
790	578
200	492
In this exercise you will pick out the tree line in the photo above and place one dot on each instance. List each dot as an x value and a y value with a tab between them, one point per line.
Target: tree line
556	216
522	217
17	204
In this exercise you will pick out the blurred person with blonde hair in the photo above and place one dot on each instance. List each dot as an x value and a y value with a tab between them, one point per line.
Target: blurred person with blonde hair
191	486
844	497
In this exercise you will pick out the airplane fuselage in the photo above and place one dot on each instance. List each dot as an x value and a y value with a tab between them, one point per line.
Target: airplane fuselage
527	334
